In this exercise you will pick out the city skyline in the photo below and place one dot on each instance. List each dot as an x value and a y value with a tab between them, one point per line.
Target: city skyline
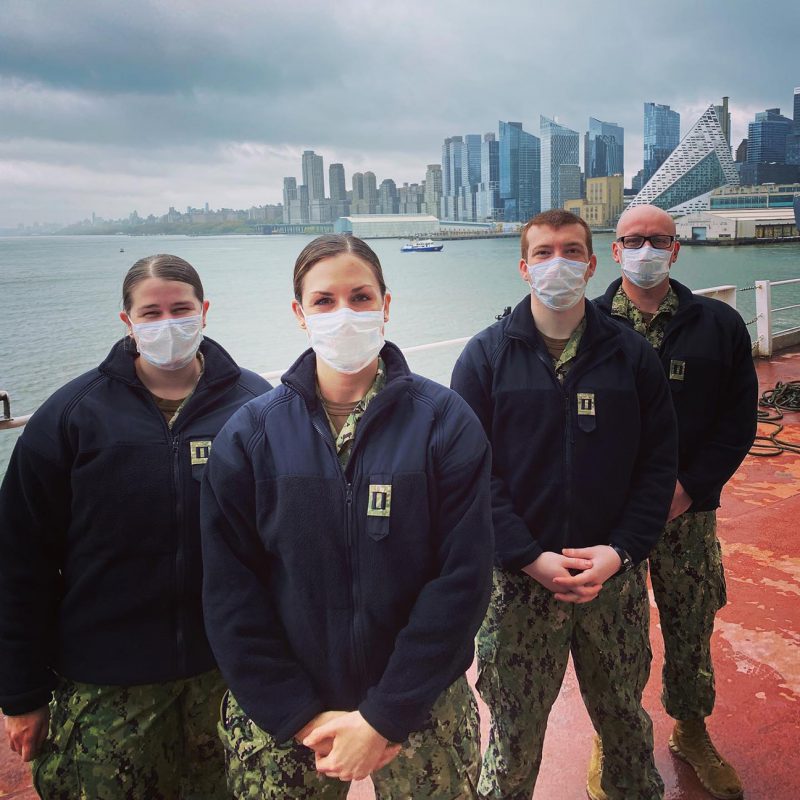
109	112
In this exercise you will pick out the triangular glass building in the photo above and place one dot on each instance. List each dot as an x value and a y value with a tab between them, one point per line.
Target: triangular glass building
701	163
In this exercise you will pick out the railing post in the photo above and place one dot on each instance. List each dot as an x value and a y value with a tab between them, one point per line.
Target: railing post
6	400
764	318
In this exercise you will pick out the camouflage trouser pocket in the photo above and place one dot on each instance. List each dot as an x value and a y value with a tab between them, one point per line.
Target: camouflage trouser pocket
442	758
55	772
243	741
507	596
716	574
259	767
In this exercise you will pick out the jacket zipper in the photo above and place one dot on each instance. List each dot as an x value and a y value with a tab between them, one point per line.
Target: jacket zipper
173	442
567	448
180	577
351	561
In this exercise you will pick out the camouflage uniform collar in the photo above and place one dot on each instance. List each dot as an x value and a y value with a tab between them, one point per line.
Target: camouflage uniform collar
570	351
302	376
623	306
343	438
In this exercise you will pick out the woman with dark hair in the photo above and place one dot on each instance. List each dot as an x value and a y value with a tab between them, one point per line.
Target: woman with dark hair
347	552
101	629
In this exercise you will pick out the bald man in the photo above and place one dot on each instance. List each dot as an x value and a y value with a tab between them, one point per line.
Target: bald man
705	350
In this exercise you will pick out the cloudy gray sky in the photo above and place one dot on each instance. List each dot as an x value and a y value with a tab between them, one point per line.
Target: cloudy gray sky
109	106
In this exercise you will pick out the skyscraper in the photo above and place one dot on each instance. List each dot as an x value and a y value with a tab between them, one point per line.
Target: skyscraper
470	176
793	140
433	189
411	198
766	137
336	181
797	108
604	149
488	205
357	202
313	175
339	205
520	172
662	132
700	163
451	176
371	192
289	195
724	117
559	146
387	197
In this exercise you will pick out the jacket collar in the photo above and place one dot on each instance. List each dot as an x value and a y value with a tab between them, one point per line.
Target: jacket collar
687	301
219	367
520	325
302	377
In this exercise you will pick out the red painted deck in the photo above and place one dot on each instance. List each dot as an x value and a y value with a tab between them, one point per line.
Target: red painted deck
756	724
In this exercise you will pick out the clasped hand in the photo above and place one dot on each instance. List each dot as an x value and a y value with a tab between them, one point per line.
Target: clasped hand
594	566
346	746
27	732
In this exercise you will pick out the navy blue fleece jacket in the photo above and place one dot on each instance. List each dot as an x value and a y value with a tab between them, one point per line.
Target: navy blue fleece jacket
347	589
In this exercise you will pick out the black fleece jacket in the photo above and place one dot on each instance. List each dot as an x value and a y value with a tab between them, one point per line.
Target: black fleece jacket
707	357
341	589
588	462
100	573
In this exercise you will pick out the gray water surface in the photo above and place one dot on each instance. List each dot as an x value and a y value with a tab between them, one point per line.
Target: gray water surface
60	297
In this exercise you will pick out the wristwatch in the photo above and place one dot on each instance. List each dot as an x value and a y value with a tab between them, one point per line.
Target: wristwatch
627	561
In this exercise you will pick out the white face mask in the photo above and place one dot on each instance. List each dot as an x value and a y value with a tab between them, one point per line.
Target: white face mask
346	340
169	343
645	267
558	282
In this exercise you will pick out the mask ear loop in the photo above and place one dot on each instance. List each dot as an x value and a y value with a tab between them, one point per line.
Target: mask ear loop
129	342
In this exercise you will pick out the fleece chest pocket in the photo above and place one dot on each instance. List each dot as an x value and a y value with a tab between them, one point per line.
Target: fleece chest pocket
379	506
586	410
199	451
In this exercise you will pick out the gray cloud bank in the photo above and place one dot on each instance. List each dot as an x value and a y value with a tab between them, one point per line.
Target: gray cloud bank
108	107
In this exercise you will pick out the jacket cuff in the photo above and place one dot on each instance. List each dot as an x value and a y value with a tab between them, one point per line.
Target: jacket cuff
516	562
31	702
288	729
394	728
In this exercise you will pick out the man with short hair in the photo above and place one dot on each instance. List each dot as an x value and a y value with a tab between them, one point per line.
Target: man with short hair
705	351
583	464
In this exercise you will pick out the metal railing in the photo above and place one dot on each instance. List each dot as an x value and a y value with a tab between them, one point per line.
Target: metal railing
765	343
769	340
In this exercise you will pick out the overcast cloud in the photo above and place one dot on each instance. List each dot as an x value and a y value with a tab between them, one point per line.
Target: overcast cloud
110	107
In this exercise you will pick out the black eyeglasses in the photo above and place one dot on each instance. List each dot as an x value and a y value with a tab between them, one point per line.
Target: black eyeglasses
661	241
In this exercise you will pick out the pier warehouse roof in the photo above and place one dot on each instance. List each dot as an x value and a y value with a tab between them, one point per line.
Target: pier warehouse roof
387	226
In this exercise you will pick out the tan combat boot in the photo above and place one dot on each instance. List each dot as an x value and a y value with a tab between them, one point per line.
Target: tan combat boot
595	771
691	742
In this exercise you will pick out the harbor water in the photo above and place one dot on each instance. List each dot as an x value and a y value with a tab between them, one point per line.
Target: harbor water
60	298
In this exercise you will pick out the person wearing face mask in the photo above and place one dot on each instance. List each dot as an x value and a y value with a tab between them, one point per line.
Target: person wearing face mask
347	546
705	351
107	679
584	447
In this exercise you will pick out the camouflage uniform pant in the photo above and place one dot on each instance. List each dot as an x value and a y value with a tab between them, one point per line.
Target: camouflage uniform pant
441	761
689	588
153	742
523	648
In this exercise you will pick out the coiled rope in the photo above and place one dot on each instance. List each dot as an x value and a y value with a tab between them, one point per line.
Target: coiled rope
783	397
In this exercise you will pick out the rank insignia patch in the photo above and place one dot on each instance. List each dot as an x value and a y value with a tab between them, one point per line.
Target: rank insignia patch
379	503
586	404
677	370
200	451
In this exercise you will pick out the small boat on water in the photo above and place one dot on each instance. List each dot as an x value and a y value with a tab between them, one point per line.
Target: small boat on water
421	246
